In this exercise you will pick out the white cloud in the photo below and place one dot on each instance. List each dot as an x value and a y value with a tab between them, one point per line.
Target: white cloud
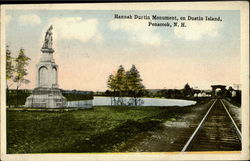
77	29
138	30
30	19
198	30
7	19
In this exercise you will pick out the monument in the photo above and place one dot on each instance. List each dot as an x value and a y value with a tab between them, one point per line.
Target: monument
46	94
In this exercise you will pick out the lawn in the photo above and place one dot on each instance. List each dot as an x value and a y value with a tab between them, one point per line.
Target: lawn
100	129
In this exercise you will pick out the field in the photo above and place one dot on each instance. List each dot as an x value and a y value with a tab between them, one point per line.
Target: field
101	129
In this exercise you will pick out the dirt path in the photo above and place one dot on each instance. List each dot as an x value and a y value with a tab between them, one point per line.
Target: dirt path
172	135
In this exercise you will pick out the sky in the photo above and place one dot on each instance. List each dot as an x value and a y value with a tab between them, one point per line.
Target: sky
90	45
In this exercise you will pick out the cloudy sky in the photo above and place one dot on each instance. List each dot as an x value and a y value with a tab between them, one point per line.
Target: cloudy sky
90	45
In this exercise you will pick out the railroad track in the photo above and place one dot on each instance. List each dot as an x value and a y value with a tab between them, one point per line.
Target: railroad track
216	132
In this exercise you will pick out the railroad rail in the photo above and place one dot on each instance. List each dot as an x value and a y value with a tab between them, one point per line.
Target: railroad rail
217	131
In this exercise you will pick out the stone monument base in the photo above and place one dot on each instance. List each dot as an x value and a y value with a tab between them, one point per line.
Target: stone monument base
46	98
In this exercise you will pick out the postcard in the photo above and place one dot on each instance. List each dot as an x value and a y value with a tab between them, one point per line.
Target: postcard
125	81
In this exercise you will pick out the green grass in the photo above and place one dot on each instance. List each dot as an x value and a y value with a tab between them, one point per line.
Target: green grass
100	129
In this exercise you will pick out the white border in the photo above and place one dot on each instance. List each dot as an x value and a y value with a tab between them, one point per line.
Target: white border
243	155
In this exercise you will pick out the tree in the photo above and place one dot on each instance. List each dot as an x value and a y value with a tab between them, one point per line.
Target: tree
120	85
116	83
22	61
112	86
134	84
187	90
9	67
133	78
9	71
111	82
120	79
125	84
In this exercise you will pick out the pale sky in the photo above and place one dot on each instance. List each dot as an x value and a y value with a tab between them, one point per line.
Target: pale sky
90	45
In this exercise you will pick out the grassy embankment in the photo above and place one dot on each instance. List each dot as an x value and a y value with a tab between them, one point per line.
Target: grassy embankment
100	129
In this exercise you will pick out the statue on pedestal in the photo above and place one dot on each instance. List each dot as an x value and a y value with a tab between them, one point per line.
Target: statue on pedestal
46	94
